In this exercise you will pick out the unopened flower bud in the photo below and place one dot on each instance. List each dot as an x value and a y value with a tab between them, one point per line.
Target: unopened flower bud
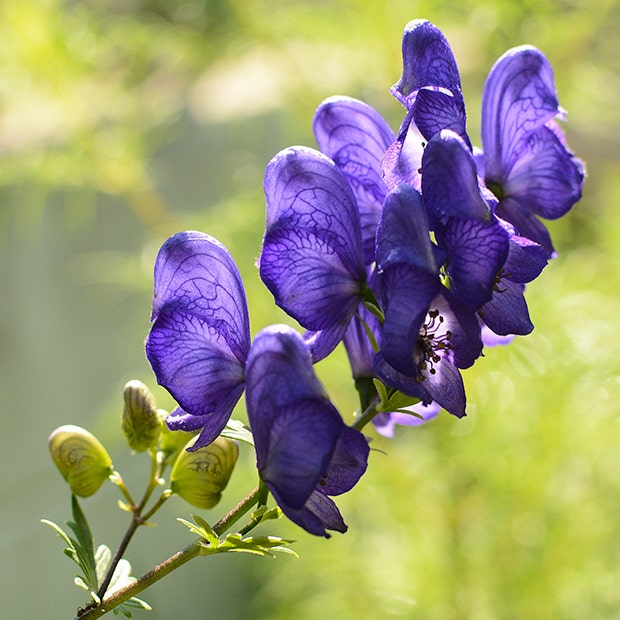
199	477
141	422
83	462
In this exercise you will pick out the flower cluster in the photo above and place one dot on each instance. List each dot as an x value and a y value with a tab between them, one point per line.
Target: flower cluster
412	248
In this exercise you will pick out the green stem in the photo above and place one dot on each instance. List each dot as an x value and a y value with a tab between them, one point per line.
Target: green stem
167	566
367	415
148	579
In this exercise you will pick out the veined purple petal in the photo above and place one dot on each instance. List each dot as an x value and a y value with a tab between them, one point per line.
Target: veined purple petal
477	250
519	98
200	337
526	259
427	61
436	109
546	177
195	274
507	311
311	260
348	464
355	137
449	180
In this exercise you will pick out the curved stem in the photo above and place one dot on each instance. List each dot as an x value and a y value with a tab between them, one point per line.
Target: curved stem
154	575
367	415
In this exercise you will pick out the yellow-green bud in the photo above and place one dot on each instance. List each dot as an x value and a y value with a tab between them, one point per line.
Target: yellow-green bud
83	462
200	477
141	422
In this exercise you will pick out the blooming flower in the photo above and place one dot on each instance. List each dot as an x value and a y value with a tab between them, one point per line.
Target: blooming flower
200	336
304	451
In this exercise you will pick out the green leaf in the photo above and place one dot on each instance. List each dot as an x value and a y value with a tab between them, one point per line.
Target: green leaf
236	429
202	529
103	557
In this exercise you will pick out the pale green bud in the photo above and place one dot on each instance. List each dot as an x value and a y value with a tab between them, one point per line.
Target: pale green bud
200	477
83	462
141	422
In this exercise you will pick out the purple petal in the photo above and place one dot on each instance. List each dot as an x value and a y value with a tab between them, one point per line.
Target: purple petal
519	98
526	259
437	109
407	273
525	222
476	253
449	179
357	344
195	274
348	463
507	311
312	259
427	61
355	136
318	514
546	178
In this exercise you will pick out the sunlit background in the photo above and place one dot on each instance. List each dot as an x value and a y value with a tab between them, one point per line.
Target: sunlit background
124	121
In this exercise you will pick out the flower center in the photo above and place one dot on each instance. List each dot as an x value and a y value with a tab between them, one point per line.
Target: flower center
433	343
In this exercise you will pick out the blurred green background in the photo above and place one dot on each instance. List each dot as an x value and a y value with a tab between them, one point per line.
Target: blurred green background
124	121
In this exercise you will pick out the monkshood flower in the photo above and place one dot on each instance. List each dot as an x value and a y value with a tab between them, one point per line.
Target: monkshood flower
312	259
420	414
200	336
427	333
305	453
356	137
526	161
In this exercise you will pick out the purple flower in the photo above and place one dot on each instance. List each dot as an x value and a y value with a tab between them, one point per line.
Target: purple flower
420	414
312	259
427	334
200	336
526	161
305	452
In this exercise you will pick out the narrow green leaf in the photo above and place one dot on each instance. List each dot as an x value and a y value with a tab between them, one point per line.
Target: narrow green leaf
236	429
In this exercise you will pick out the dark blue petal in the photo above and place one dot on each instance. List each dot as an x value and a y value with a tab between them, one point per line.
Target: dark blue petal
312	259
357	344
526	259
519	98
546	178
477	250
449	179
427	61
355	136
525	222
348	464
507	311
437	109
317	515
407	274
302	438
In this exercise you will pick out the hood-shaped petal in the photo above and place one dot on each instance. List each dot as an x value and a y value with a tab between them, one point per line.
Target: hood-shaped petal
297	432
355	137
436	109
427	61
519	98
449	180
407	273
311	260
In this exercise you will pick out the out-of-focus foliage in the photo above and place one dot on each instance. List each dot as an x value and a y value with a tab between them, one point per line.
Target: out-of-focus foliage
124	121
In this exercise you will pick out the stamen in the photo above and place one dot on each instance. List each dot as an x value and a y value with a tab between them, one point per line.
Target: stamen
431	346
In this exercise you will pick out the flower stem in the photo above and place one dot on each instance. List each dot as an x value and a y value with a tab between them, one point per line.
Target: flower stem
367	416
167	566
